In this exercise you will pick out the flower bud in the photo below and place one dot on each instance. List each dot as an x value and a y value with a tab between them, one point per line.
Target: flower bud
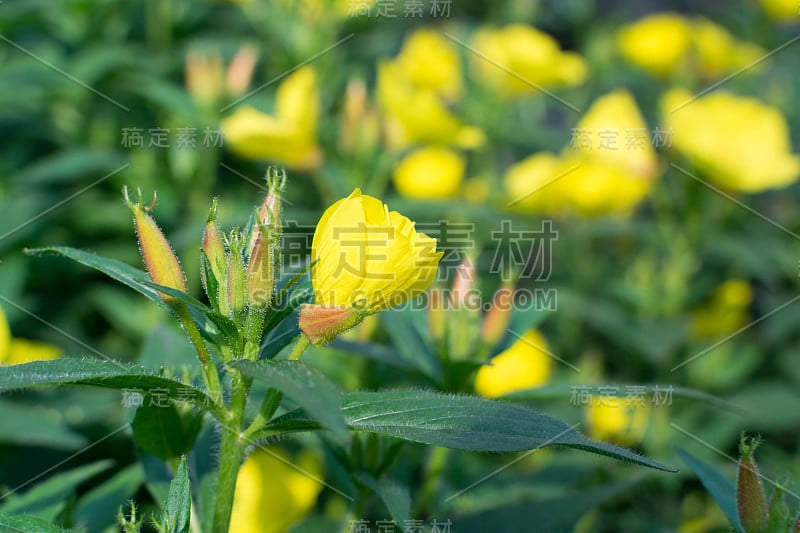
240	71
750	499
232	291
496	321
322	323
261	271
213	257
437	314
160	261
463	284
204	77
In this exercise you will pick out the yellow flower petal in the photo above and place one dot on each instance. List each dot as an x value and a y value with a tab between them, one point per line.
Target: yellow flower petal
524	365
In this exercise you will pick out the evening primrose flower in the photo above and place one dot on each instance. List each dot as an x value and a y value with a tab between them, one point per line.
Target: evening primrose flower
430	61
725	312
289	136
273	492
617	420
433	172
736	142
657	43
524	365
14	351
533	55
365	259
781	10
417	114
664	43
609	168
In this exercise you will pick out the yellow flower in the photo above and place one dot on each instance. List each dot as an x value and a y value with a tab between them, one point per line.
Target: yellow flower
530	54
737	143
665	42
524	365
617	420
416	114
726	311
430	61
781	10
430	173
18	351
287	137
610	124
718	52
604	173
367	256
657	43
274	492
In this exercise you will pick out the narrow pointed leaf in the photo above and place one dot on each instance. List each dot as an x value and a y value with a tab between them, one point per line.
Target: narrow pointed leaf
470	423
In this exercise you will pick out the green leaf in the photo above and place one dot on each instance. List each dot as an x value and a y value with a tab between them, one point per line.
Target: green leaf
97	509
97	373
394	495
376	352
565	390
208	321
161	431
305	386
179	502
28	524
722	490
46	499
31	426
470	423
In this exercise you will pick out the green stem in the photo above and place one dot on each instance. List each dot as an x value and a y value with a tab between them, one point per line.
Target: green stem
210	375
231	454
299	348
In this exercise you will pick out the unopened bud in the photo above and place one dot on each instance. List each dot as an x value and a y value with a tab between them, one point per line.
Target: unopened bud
240	71
213	257
159	258
204	77
463	283
323	323
261	271
750	499
437	314
496	320
233	290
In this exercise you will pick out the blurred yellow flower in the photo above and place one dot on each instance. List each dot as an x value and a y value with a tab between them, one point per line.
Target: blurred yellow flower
368	256
274	492
417	114
718	53
657	43
725	312
782	10
622	421
608	169
289	136
17	351
524	365
433	172
736	142
664	43
430	61
614	131
531	54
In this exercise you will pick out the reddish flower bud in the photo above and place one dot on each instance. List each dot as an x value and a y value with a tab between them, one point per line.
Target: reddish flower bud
496	320
322	323
159	258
